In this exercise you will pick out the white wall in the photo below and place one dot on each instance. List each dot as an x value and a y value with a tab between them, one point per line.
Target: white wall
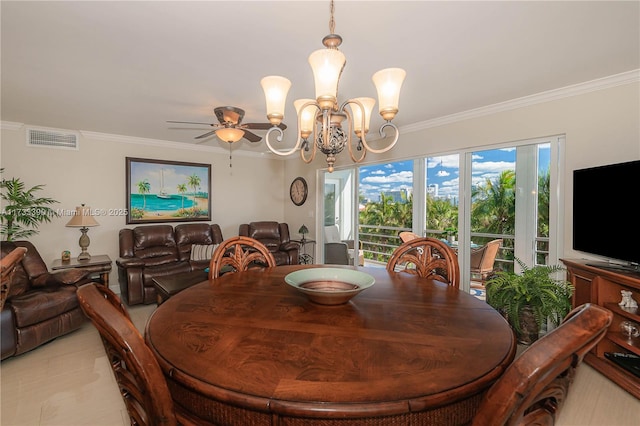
95	175
601	127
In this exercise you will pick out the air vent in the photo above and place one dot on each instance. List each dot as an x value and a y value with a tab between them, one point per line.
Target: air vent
52	138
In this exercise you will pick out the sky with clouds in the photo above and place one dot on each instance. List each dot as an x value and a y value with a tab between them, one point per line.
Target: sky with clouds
442	171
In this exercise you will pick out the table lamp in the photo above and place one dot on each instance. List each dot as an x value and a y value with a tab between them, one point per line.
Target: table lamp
83	219
303	230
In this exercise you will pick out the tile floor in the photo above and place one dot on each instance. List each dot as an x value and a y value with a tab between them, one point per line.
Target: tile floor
68	382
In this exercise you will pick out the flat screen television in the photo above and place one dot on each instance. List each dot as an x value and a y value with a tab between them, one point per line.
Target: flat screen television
606	215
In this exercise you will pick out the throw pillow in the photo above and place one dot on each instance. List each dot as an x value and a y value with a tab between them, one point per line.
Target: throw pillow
202	252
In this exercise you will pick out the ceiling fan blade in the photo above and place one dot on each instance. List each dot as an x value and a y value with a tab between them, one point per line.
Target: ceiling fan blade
262	126
251	137
205	135
258	126
191	122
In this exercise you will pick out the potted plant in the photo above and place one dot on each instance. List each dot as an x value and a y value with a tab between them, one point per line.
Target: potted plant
528	299
22	210
450	234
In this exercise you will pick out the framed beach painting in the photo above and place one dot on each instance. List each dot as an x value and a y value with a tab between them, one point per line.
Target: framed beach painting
167	191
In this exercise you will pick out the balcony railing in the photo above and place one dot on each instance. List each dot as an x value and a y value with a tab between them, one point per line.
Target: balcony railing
378	243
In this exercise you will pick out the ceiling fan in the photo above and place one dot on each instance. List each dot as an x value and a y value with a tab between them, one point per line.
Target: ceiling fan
230	117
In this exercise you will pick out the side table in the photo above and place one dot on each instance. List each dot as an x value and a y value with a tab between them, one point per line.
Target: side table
306	258
98	264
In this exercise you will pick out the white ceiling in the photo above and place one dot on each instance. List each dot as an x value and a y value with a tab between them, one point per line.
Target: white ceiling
125	68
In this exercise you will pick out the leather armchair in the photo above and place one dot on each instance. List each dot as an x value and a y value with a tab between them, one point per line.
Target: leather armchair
153	251
274	236
39	305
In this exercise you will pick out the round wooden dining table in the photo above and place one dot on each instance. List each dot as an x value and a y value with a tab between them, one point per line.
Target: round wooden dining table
248	349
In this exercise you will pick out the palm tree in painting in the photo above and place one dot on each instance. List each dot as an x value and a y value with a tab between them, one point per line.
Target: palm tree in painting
144	187
194	182
182	189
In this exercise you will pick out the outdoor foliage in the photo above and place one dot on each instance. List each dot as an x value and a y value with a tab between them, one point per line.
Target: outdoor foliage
493	212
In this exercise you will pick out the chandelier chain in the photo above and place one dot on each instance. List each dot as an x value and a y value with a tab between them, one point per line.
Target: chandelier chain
332	22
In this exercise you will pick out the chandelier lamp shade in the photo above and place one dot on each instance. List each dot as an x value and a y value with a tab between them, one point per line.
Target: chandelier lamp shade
324	119
83	219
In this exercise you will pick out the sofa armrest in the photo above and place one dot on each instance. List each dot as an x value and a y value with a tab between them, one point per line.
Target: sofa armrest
130	262
71	276
290	246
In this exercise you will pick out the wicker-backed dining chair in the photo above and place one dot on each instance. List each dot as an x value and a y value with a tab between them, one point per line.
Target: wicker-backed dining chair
534	387
240	253
482	260
139	377
426	257
407	236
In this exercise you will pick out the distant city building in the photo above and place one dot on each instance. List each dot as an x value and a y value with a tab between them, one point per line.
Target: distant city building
400	196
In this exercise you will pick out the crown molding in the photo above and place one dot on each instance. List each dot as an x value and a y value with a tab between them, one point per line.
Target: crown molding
108	137
550	95
628	77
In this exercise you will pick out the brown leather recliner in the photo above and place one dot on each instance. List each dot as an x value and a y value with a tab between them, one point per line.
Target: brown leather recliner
40	305
275	236
153	251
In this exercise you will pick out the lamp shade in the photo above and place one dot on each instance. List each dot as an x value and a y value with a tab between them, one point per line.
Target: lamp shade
307	116
327	65
303	230
368	104
275	92
388	83
82	218
230	134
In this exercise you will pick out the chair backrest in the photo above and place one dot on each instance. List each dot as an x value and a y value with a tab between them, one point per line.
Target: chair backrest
331	234
426	257
534	386
8	266
113	298
483	258
407	236
240	253
336	254
138	374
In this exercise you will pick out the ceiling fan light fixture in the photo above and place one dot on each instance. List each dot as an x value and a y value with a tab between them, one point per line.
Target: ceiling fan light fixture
323	116
230	134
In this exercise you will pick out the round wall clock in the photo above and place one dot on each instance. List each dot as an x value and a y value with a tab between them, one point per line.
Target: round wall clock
298	191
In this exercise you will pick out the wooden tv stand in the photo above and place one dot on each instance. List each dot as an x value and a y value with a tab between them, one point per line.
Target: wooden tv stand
601	286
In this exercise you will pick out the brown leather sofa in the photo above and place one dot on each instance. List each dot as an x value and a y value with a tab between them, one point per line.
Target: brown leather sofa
275	236
153	251
40	305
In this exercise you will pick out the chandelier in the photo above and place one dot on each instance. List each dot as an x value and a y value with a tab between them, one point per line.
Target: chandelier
323	117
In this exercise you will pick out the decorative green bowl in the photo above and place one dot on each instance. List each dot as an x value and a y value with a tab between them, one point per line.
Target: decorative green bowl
329	286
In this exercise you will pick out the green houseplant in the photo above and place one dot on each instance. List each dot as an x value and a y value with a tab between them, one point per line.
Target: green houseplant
528	299
22	209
